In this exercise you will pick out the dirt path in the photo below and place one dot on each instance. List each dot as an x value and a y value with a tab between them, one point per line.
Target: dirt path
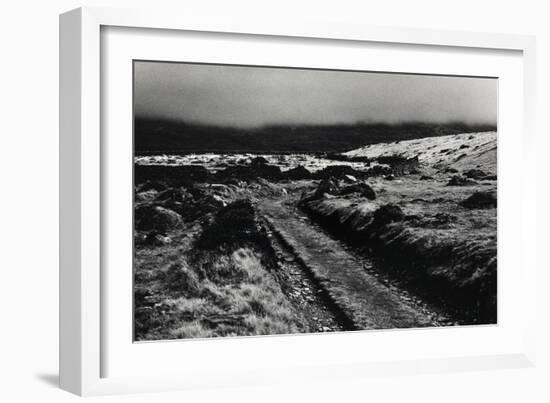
303	291
360	296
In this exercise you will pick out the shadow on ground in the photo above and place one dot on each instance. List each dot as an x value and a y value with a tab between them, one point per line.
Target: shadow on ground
49	379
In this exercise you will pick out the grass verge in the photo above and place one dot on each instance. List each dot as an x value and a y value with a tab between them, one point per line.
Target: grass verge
215	284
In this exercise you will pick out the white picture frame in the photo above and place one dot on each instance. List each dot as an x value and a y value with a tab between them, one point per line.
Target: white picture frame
82	169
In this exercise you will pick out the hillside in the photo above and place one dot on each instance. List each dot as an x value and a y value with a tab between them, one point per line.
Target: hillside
172	137
460	151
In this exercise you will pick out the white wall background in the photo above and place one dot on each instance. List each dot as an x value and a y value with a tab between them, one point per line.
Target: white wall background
29	200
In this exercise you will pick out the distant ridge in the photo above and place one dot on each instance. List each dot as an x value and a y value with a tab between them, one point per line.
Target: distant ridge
460	151
166	136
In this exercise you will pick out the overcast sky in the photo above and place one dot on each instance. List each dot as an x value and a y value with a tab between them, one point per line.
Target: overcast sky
253	96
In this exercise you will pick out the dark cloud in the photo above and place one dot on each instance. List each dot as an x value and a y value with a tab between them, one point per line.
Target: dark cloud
251	96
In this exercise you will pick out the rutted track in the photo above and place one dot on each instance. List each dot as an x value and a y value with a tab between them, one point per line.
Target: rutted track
302	290
356	298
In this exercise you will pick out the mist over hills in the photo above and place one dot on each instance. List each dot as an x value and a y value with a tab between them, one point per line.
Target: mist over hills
170	136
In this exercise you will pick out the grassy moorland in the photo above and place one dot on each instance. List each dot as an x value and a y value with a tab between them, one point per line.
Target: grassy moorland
434	227
216	283
252	244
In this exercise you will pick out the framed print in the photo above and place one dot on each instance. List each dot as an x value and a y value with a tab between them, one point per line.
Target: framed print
255	202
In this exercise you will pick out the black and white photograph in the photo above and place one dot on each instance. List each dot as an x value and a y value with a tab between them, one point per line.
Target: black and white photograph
271	200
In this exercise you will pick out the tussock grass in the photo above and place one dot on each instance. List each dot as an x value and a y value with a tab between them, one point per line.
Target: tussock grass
236	297
218	287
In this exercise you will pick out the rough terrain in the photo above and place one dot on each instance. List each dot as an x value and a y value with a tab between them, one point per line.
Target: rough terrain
390	235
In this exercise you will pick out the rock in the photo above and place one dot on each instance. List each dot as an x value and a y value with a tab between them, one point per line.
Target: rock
362	189
458	180
350	178
450	170
480	200
393	160
399	164
257	161
426	177
474	173
336	171
149	217
389	177
379	170
297	173
254	171
326	186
